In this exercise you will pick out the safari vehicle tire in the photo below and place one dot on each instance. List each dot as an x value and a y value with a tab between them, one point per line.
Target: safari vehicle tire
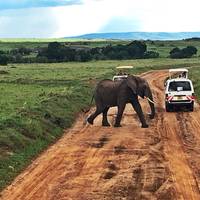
168	107
191	107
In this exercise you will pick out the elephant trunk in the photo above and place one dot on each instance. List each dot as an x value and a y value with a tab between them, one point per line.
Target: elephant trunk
151	104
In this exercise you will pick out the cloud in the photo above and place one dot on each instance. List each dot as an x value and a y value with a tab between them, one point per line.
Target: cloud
27	23
18	4
81	19
121	24
92	16
60	18
150	16
168	16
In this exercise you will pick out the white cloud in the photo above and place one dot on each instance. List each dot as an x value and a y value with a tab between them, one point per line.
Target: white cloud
168	16
90	17
128	15
35	22
102	15
80	19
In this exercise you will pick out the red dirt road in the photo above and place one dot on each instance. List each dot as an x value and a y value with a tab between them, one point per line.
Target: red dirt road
100	163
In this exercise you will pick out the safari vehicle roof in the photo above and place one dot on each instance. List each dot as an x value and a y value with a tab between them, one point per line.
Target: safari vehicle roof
124	67
180	70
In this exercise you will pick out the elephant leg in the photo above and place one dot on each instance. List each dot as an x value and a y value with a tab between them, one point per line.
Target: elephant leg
119	115
137	107
91	118
105	119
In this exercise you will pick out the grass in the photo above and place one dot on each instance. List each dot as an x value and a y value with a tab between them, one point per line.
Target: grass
194	74
164	47
39	100
8	44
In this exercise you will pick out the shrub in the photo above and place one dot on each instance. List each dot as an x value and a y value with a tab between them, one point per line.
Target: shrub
84	55
151	54
186	52
3	59
42	59
136	49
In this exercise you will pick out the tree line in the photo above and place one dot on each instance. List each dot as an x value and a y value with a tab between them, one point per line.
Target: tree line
60	52
57	52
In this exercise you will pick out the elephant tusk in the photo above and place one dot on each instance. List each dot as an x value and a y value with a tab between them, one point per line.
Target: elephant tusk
150	100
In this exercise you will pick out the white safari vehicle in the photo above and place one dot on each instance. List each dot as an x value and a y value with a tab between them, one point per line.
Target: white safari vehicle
179	91
122	73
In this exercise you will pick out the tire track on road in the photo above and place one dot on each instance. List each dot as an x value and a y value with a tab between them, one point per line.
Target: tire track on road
171	127
130	163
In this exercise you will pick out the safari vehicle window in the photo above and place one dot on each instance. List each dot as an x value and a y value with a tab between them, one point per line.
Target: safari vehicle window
179	86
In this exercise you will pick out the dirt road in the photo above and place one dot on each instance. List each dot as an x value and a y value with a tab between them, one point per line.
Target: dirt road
94	162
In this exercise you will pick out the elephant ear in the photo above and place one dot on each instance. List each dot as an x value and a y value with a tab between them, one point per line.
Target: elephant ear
132	83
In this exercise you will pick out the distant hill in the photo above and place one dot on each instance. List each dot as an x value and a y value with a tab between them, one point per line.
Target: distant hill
141	35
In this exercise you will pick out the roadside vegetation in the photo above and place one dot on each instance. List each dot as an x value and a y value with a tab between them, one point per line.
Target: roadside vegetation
38	101
194	74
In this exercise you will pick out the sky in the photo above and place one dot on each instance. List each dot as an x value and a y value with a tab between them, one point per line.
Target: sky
64	18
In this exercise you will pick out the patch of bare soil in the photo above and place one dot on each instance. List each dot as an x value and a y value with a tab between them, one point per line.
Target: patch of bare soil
126	163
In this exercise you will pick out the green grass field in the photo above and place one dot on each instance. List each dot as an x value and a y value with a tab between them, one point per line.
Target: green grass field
164	47
8	44
39	100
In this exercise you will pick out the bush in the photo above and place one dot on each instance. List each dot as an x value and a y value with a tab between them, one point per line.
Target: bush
42	59
18	58
2	52
84	55
3	59
175	50
190	50
136	49
54	51
187	52
151	54
22	51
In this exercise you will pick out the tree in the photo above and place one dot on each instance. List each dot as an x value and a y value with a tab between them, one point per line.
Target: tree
68	54
174	50
2	52
83	56
191	50
186	52
24	51
136	49
107	49
3	59
175	53
95	51
151	54
54	51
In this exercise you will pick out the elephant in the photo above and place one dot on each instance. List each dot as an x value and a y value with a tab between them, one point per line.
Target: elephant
110	93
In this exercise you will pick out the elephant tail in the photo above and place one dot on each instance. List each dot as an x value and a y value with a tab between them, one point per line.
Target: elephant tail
87	109
91	100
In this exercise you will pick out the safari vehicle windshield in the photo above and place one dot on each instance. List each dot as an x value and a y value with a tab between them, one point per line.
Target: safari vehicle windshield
179	86
119	78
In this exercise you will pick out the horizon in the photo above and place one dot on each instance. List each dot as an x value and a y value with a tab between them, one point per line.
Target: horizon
100	33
